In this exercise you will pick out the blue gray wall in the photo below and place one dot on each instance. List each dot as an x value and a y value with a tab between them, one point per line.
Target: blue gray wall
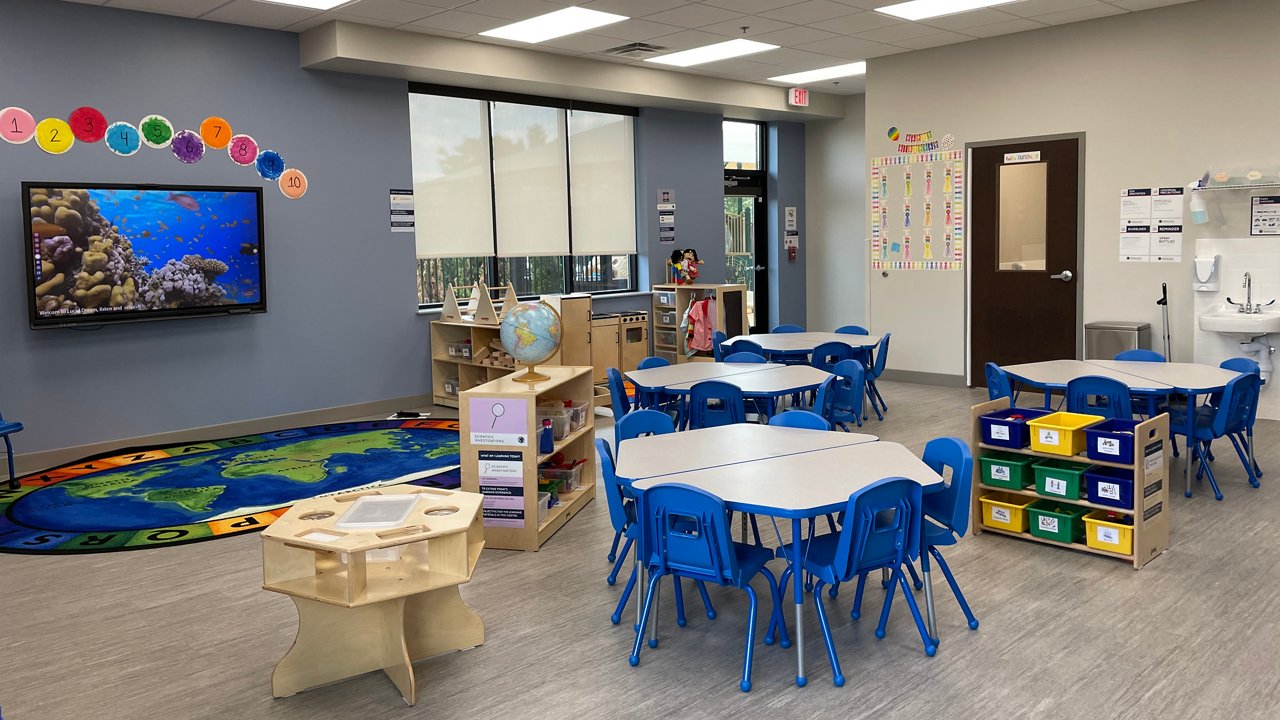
785	143
681	151
340	327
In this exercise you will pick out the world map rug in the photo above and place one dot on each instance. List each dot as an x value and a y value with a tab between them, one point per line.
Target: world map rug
152	497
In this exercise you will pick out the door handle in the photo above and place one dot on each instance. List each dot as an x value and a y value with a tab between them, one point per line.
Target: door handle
1064	276
758	268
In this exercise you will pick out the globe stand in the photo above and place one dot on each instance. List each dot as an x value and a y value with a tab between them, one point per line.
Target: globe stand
530	375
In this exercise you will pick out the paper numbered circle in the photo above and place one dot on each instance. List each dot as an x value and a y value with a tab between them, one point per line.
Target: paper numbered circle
157	131
243	150
187	147
16	125
123	139
293	183
88	124
270	165
216	132
53	135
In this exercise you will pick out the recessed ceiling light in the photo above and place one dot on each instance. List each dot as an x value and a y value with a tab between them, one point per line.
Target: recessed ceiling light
554	24
828	73
921	9
309	4
711	53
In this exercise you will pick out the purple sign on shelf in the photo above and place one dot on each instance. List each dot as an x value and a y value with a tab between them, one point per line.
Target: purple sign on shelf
499	421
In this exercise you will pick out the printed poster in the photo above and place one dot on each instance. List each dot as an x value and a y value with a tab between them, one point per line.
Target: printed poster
498	421
502	484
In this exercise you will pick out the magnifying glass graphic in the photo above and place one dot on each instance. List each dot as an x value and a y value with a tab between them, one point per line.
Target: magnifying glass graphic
498	411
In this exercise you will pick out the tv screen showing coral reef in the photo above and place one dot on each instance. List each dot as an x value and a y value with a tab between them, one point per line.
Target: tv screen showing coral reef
122	253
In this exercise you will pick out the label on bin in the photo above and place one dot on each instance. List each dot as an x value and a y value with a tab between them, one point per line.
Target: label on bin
999	432
1048	437
1111	491
1055	486
1000	515
1048	524
1000	472
1108	535
1109	446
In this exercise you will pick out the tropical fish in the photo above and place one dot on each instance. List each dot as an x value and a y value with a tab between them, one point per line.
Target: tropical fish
231	224
247	281
248	249
146	233
163	226
138	196
245	221
184	200
248	293
215	217
179	238
47	229
201	227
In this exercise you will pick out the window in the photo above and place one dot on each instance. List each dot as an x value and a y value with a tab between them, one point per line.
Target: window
741	145
528	191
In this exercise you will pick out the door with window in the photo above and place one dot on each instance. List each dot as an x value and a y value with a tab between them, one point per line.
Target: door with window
1024	252
745	232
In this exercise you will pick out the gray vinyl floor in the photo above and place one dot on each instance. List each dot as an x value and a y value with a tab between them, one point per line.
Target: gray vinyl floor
187	632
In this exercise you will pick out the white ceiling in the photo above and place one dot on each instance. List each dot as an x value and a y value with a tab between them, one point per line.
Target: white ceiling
812	33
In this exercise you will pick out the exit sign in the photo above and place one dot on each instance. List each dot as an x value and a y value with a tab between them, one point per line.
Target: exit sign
798	97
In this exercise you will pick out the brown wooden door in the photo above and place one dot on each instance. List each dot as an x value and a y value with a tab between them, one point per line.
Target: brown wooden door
1024	210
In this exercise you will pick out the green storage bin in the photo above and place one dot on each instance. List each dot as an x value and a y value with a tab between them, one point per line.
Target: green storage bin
1060	478
1007	470
1053	520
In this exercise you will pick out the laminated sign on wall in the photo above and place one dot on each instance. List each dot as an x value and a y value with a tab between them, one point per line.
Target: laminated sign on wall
917	211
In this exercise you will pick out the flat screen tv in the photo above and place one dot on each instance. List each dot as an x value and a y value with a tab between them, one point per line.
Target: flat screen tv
105	253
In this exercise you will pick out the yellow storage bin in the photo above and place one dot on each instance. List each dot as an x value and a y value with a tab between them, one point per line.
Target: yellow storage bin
1061	433
1102	532
1005	511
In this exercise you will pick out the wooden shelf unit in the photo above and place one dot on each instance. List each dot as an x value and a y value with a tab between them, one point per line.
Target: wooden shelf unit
460	373
526	532
670	303
1150	487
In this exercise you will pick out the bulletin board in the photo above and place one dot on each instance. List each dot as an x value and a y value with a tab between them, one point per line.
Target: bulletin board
917	211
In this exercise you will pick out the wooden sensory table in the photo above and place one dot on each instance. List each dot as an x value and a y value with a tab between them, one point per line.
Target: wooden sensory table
374	599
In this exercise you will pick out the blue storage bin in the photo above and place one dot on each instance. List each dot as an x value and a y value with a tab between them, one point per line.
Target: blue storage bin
1008	428
1110	486
1110	441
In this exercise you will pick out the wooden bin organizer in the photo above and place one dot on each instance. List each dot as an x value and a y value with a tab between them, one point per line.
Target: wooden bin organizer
1150	468
374	599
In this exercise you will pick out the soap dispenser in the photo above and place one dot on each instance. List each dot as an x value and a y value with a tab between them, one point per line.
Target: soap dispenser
1206	269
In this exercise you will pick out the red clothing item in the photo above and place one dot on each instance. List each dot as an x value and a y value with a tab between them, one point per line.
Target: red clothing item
702	324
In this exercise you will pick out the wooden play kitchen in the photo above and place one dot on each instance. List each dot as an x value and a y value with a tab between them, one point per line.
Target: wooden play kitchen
1073	480
529	491
374	595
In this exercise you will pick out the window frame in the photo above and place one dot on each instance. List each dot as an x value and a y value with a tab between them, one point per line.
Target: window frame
491	261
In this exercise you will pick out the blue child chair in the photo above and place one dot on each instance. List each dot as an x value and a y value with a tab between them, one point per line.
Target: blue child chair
802	419
713	403
881	531
744	357
655	399
998	384
1243	365
622	515
1097	395
824	402
1140	356
786	328
874	373
862	355
7	428
684	532
946	515
717	344
849	390
1230	419
743	345
633	425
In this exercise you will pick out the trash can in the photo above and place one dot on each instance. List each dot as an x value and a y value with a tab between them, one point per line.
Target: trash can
1102	340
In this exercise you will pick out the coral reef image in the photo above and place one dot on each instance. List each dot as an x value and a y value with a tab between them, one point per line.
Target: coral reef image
101	250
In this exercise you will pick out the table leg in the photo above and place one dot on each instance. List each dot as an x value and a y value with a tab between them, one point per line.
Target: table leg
1190	438
798	585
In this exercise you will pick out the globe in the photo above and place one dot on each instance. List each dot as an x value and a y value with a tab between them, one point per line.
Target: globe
531	333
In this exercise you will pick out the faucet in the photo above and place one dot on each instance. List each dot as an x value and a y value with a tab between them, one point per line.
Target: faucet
1248	307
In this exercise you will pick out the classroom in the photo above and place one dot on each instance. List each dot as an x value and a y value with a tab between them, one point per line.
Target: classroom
335	332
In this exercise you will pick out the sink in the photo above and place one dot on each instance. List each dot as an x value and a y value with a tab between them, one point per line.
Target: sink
1243	327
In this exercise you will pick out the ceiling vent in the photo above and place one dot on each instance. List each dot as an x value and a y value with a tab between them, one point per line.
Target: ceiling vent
635	49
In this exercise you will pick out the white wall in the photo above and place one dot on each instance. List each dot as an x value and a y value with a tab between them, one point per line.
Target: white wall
835	251
1161	96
